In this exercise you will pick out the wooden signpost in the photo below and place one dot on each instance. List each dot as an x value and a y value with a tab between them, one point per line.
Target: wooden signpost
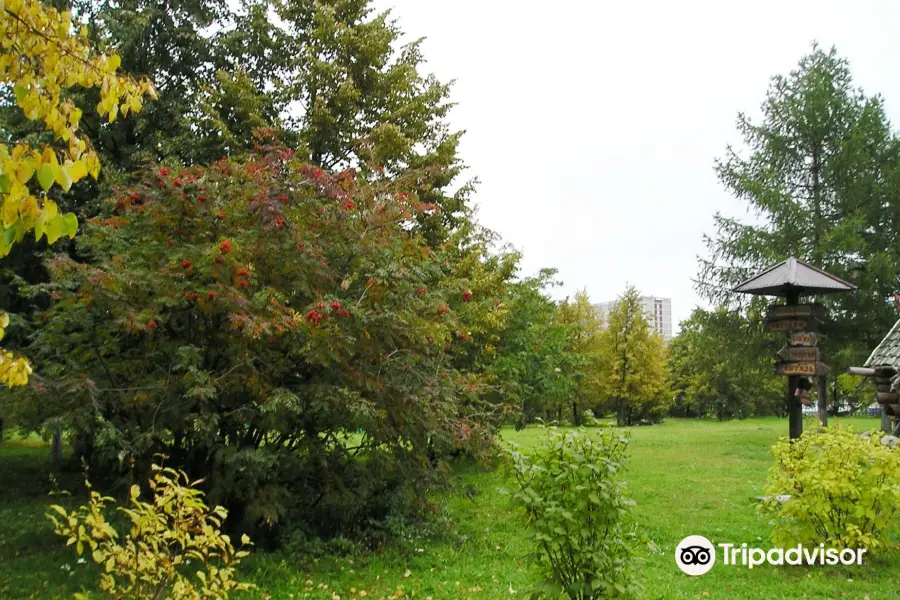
786	311
792	354
800	357
801	368
802	338
787	325
792	279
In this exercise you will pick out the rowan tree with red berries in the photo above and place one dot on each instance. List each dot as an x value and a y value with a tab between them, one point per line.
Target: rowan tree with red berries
285	332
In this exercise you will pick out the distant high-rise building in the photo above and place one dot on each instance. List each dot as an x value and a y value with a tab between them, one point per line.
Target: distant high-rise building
658	312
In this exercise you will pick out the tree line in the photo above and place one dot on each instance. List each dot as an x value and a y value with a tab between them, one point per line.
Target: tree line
563	361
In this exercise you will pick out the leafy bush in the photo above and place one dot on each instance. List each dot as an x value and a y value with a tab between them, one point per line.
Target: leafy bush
576	507
171	536
285	333
844	490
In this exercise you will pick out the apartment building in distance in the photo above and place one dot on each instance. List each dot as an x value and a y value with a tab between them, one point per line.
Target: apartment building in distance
658	311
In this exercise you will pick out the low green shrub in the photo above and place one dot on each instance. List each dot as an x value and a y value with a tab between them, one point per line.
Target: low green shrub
844	490
576	507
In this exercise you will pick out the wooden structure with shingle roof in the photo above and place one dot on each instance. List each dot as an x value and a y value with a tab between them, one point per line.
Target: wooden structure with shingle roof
887	353
883	366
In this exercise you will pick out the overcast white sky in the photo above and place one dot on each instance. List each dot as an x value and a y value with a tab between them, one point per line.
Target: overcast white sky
593	125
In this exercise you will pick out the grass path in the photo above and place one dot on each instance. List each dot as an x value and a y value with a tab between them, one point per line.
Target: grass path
688	477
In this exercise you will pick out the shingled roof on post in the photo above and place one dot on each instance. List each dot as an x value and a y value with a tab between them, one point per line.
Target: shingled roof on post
793	276
883	366
887	353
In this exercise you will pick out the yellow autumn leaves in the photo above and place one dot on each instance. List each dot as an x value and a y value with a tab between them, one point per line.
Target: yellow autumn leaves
13	371
40	58
21	211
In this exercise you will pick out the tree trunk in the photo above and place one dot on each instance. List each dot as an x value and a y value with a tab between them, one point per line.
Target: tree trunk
56	449
83	447
576	418
823	400
834	396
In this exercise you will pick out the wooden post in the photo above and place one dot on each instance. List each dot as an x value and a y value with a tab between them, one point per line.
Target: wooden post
823	400
795	410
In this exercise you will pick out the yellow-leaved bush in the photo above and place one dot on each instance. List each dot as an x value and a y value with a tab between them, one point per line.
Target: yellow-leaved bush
174	548
40	58
844	490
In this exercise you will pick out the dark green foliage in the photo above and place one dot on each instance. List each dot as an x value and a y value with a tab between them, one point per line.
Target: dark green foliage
552	361
576	507
720	365
529	349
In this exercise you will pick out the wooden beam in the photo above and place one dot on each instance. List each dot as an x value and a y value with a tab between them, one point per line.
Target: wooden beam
864	371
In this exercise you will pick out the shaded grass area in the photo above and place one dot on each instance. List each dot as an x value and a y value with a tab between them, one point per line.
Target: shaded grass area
688	477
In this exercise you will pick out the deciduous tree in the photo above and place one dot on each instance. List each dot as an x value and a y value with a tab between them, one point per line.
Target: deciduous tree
279	329
638	375
587	357
721	365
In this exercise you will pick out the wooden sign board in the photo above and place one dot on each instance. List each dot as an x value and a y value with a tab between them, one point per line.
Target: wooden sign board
802	338
783	311
787	325
798	354
801	368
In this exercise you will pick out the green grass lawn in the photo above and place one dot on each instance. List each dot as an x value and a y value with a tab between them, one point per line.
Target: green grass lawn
688	477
